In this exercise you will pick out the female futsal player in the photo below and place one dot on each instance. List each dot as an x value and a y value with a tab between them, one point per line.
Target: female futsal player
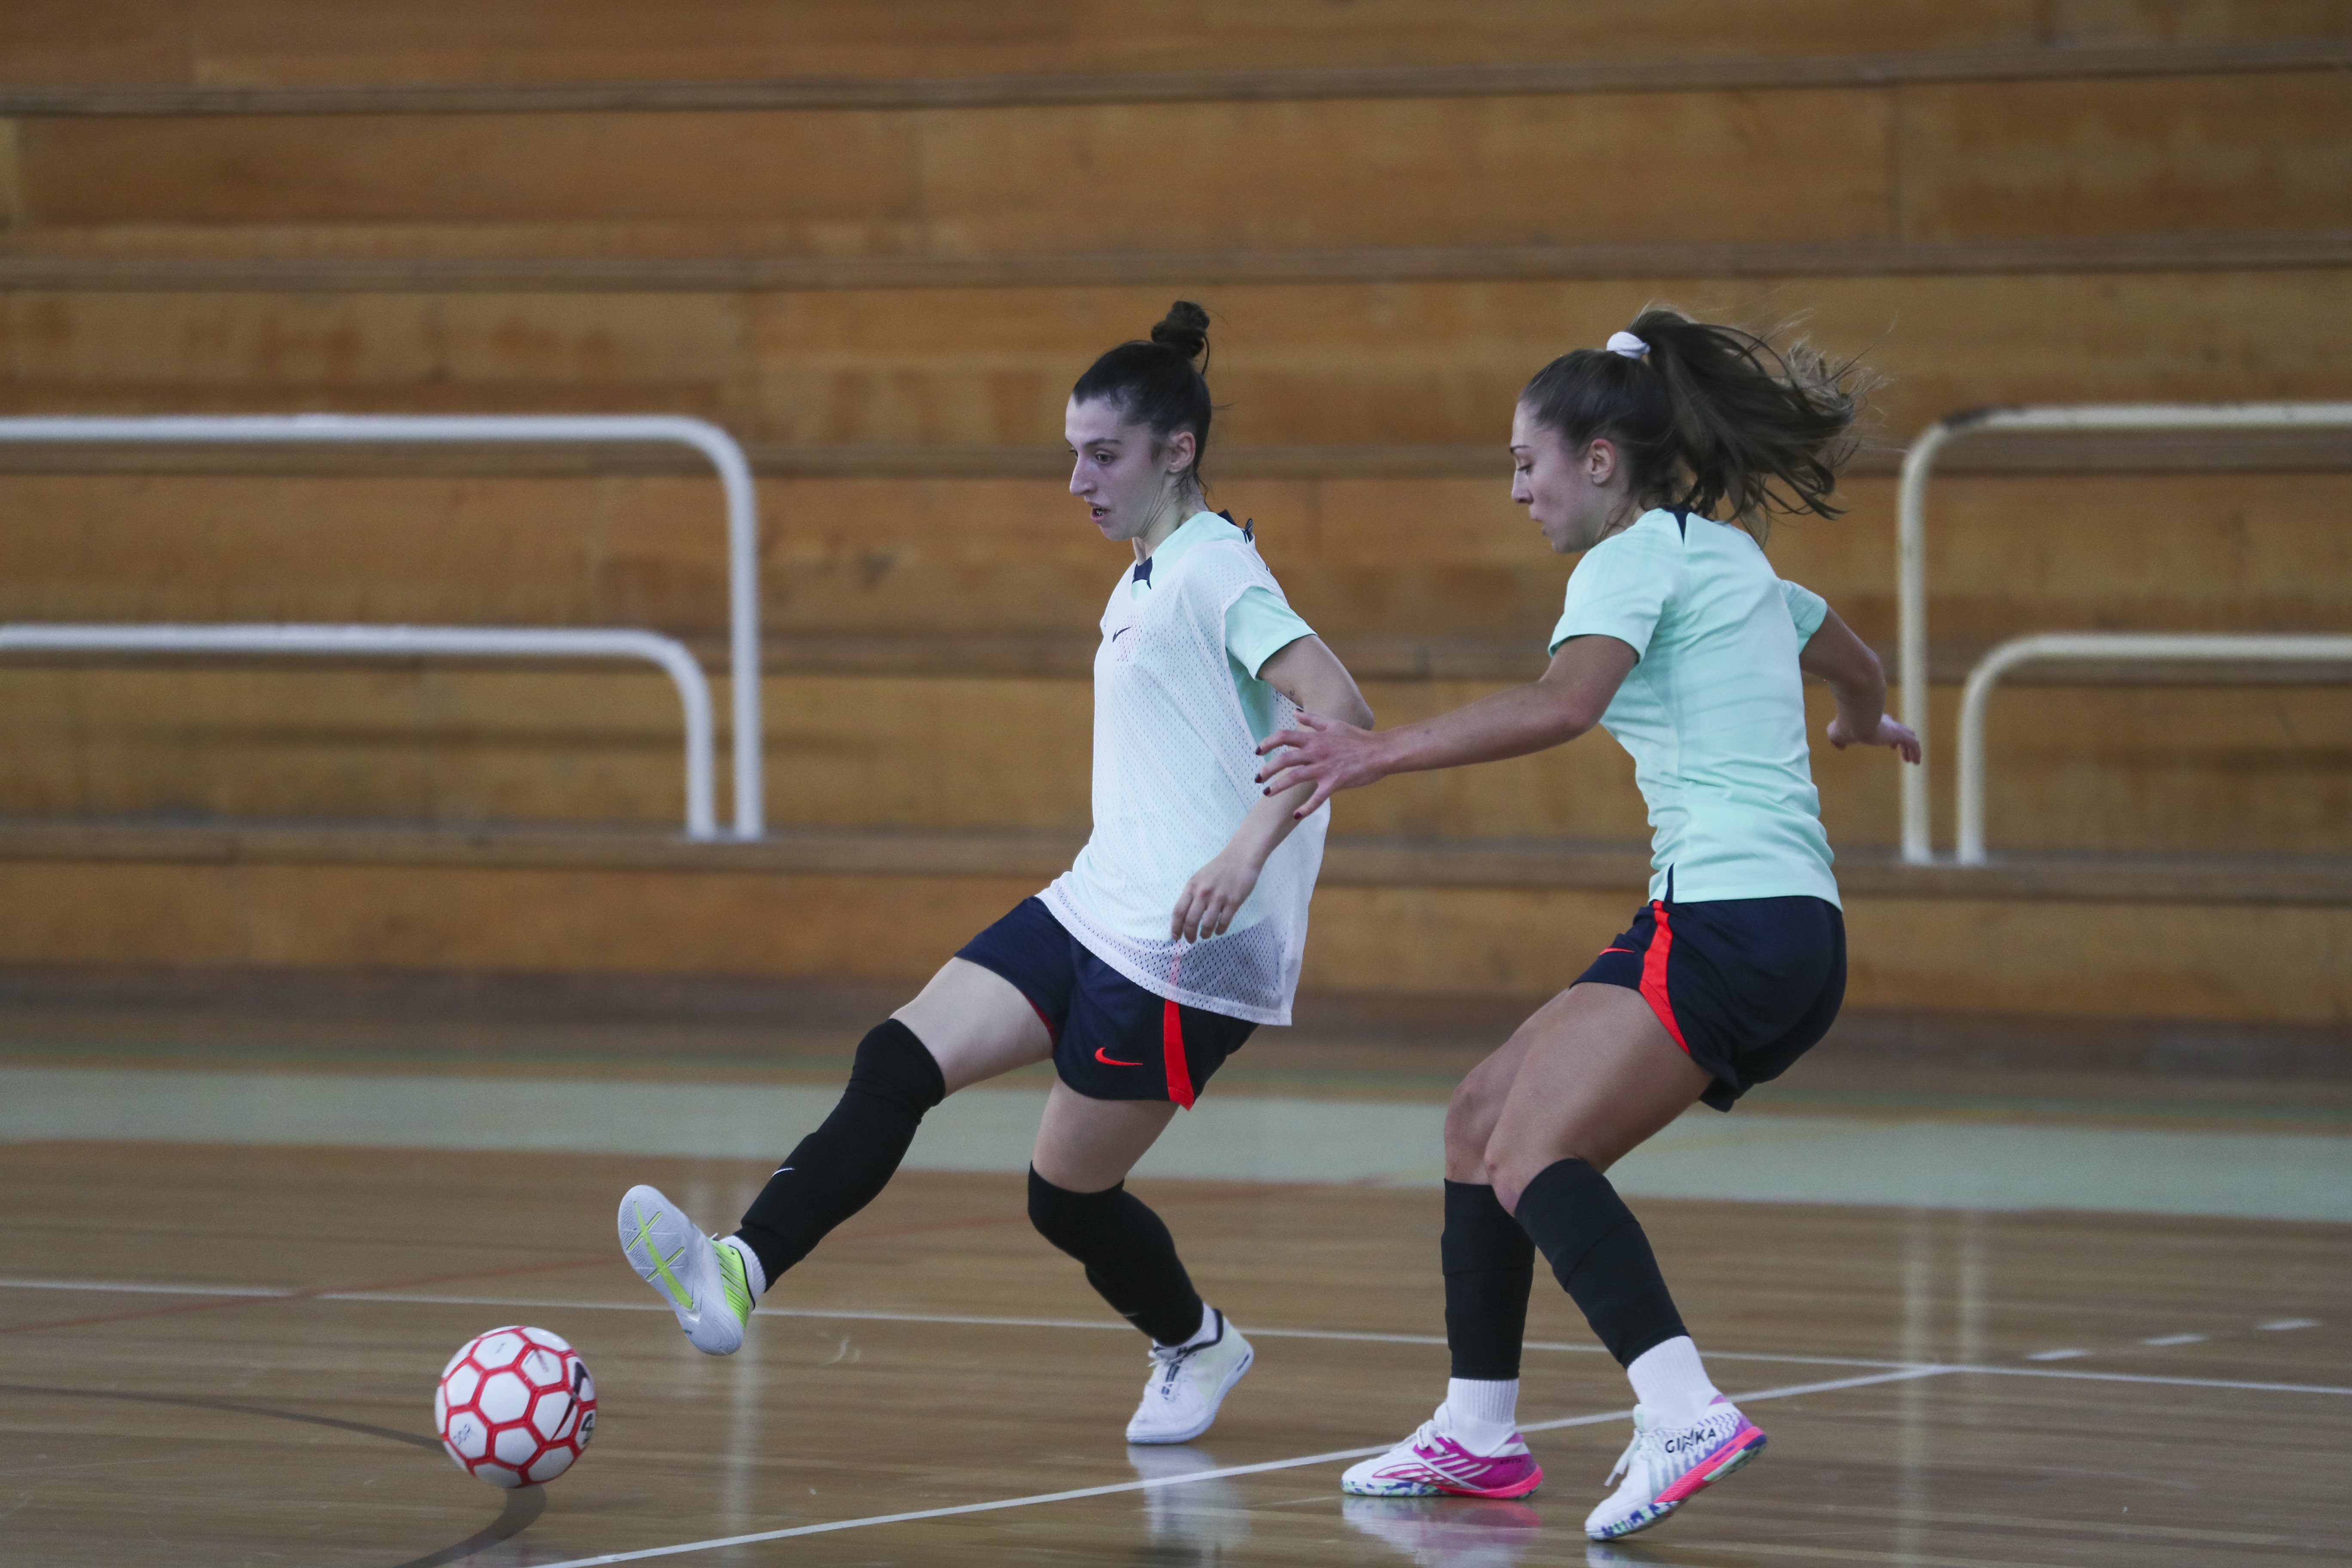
1681	641
1177	930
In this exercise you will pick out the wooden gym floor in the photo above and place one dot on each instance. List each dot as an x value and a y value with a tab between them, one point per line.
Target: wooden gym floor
220	1356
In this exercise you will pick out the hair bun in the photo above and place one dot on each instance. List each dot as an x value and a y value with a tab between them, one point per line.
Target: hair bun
1185	328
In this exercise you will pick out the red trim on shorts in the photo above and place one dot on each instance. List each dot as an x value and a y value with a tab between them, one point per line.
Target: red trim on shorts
1172	1041
1654	974
1053	1035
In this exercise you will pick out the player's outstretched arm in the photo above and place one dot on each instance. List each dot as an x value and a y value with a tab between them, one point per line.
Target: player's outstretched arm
1331	755
1310	675
1859	681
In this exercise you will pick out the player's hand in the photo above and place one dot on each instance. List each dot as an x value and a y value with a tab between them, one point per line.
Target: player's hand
1325	753
1889	733
1213	897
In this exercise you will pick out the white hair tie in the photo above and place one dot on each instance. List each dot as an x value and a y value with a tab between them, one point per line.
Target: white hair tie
1629	345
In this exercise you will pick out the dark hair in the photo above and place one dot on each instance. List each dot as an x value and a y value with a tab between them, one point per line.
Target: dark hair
1710	416
1160	383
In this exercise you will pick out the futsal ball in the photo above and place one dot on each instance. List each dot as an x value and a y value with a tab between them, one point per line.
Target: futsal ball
515	1407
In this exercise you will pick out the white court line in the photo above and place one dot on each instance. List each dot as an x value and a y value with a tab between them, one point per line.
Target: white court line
1904	1375
1896	1372
2145	1377
265	1291
1344	1335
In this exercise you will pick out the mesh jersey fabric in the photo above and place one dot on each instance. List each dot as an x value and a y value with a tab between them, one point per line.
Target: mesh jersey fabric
1258	624
1175	771
1713	711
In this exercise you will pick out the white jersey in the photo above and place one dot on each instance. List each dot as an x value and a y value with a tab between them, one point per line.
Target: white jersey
1175	771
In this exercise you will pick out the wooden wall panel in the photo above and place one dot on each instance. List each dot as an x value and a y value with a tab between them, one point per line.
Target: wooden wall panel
2247	154
1443	362
1347	364
12	183
843	175
611	353
1366	561
242	42
2190	21
2220	154
90	43
2285	965
1030	181
245	42
2146	770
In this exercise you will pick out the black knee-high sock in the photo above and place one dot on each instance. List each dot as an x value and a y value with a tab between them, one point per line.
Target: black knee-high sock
842	1166
1599	1253
1130	1258
1490	1267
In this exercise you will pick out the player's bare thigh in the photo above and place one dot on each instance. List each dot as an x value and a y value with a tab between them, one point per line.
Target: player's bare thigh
1090	1145
976	1024
1597	1074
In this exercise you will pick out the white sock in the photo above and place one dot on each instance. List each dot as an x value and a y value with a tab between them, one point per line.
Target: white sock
753	1275
1670	1379
1205	1332
1482	1416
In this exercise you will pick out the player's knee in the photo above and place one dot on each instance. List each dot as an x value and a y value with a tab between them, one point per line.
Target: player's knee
1067	1219
894	1064
1509	1170
1470	1118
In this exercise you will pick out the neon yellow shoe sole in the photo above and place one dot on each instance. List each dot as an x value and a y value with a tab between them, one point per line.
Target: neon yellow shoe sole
702	1282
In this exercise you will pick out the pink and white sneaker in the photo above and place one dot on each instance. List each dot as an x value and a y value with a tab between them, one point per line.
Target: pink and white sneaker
1431	1464
1666	1465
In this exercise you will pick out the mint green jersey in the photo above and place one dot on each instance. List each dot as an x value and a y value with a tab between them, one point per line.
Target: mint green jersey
1713	711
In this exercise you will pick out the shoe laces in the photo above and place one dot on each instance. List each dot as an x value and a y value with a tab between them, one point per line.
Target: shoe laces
1643	1428
1168	1361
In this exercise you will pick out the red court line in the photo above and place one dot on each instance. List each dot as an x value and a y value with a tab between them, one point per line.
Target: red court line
580	1260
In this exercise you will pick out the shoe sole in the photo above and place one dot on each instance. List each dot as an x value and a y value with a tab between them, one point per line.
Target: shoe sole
1736	1453
645	1245
1431	1489
1216	1403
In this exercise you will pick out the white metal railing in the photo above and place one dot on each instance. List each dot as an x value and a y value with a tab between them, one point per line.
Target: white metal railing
1911	532
409	430
417	642
2086	647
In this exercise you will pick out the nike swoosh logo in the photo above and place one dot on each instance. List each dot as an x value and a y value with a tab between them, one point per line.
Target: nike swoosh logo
1110	1062
1121	633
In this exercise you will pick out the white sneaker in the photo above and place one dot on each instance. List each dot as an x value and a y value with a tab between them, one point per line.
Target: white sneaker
1188	1382
702	1281
1665	1465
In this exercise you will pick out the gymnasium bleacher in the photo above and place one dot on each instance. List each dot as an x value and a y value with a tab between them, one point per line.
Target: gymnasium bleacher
879	243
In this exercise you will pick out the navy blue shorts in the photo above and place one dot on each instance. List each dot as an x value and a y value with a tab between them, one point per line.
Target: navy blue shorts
1112	1038
1744	985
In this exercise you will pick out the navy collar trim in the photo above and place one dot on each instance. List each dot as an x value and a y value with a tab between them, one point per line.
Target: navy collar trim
1142	572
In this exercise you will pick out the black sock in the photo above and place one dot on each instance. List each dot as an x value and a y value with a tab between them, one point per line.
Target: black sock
1599	1253
843	1165
1490	1267
1129	1257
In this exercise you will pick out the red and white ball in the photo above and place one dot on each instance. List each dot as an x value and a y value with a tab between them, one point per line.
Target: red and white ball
515	1407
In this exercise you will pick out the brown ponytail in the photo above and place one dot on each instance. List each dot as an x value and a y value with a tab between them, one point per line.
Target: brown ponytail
1710	416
